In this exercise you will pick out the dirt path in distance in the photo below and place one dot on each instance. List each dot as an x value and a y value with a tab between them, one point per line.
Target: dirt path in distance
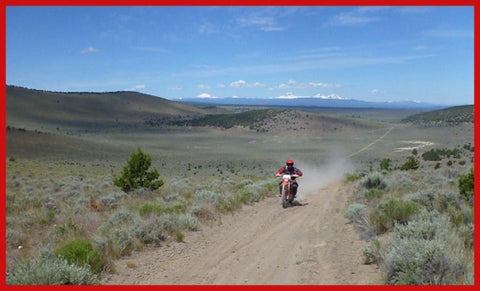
311	243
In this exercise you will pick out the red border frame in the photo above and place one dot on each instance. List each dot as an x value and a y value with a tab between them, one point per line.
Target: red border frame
6	3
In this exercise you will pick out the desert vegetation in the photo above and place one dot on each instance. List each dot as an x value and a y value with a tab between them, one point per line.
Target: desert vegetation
418	219
84	188
81	223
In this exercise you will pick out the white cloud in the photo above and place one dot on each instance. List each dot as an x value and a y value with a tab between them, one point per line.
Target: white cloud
378	91
221	86
175	88
206	95
295	84
238	84
362	15
264	23
258	84
244	84
203	86
90	50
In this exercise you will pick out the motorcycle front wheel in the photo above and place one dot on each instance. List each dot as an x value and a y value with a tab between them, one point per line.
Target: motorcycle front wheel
284	197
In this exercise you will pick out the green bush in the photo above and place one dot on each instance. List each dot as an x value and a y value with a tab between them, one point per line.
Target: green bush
373	193
149	208
49	269
81	252
180	236
351	177
411	164
391	211
385	164
135	174
465	186
431	155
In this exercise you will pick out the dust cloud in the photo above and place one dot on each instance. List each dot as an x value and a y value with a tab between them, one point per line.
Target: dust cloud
319	176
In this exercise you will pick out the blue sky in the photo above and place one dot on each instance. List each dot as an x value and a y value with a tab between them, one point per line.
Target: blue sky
421	53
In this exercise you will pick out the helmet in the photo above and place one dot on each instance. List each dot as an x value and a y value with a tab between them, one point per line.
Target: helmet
289	162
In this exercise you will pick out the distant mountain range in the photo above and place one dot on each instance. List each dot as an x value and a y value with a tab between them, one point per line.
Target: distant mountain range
312	102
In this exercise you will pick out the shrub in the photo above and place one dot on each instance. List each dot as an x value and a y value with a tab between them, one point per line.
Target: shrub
355	212
180	236
111	201
426	251
188	221
445	199
392	211
81	252
149	208
373	193
351	177
432	155
150	230
385	164
49	269
374	181
411	164
371	253
135	174
466	234
465	186
425	198
116	236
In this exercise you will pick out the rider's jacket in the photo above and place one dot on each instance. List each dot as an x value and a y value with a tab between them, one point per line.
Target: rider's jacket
290	171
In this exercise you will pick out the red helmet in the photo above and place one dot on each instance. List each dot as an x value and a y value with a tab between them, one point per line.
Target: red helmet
289	162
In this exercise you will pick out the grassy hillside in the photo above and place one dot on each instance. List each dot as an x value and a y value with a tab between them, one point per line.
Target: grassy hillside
451	115
35	109
56	111
272	121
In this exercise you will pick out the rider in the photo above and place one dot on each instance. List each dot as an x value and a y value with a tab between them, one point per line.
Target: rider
291	170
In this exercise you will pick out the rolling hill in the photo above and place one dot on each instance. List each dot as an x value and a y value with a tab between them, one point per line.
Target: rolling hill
80	111
451	115
32	109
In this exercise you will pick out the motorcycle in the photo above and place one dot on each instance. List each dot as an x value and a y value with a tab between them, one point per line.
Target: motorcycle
287	189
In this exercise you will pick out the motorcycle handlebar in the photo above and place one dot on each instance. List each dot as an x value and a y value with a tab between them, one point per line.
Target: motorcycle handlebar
280	175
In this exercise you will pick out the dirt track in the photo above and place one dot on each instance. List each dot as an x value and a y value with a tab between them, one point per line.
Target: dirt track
311	243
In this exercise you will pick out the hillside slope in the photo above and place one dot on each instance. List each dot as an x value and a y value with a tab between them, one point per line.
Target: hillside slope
34	108
451	115
52	111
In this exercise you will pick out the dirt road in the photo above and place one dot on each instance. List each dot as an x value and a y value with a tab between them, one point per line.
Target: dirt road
311	243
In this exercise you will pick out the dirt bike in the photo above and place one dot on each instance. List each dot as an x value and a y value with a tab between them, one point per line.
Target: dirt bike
287	189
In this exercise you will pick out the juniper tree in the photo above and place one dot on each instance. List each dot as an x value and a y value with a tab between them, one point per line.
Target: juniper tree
136	173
